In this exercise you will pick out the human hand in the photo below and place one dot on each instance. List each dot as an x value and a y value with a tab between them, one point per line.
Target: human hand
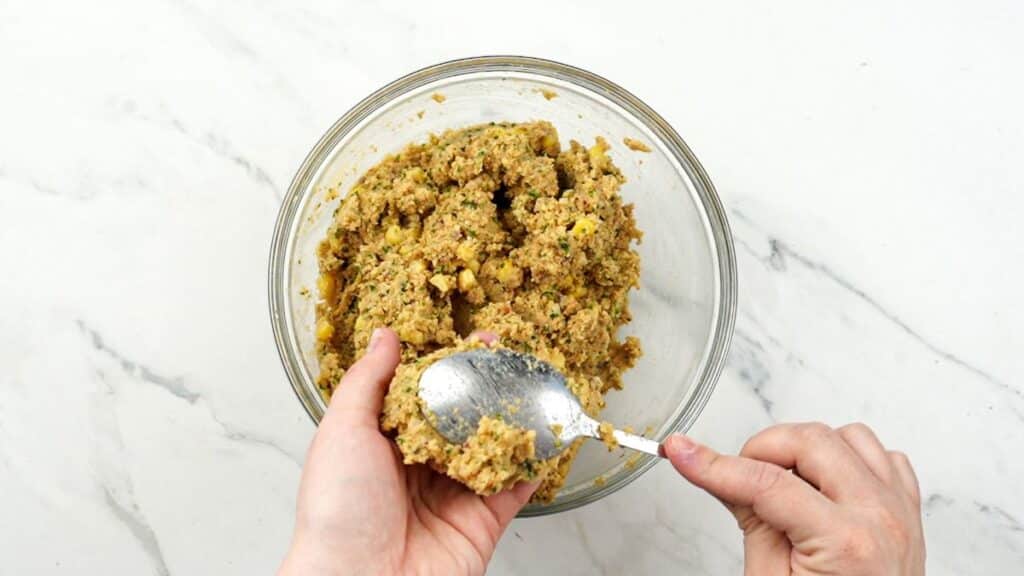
851	508
361	511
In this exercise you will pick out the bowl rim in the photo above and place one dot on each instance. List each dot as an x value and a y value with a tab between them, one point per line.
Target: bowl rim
722	330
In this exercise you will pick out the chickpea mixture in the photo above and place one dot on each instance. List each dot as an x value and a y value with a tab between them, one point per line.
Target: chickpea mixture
494	228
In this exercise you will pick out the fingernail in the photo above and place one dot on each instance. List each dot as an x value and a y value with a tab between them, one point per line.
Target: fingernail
681	447
378	333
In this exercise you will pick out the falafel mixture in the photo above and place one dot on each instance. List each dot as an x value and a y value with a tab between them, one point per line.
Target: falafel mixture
491	227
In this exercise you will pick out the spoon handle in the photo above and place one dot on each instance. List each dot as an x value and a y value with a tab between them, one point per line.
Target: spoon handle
587	426
638	443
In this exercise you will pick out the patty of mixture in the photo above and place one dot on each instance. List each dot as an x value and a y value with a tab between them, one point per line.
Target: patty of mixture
492	227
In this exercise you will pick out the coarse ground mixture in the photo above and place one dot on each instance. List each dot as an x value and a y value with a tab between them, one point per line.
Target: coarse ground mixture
491	227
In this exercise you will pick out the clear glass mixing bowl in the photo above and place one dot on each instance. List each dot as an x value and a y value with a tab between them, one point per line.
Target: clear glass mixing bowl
683	312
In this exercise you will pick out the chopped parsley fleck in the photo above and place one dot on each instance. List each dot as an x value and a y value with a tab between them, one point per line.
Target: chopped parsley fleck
533	193
529	466
564	244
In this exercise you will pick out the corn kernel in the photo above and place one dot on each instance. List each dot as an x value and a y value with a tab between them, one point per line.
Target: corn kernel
598	158
394	235
550	144
418	266
412	336
467	280
509	273
324	330
441	282
326	283
579	291
362	323
556	358
584	227
416	174
465	251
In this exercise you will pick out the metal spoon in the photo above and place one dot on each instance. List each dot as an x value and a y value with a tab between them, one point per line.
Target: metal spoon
463	388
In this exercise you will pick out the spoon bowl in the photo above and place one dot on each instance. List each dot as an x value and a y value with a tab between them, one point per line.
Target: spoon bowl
520	389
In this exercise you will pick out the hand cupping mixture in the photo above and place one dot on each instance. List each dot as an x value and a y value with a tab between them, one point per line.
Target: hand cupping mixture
494	228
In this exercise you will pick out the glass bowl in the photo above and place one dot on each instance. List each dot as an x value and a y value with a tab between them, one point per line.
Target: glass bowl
685	308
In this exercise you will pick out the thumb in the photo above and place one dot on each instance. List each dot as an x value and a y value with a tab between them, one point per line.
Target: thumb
505	505
766	550
360	394
783	501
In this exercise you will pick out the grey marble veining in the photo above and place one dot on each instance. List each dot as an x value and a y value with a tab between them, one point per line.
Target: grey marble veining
868	157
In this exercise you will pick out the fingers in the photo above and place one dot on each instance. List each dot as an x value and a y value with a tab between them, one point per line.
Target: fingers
505	505
782	500
484	336
818	454
864	442
905	475
482	519
360	393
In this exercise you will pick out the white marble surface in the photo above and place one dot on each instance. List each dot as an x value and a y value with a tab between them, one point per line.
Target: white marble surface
869	155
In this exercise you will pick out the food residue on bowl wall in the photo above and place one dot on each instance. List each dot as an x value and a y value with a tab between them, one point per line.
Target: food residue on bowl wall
547	94
632	461
438	97
636	145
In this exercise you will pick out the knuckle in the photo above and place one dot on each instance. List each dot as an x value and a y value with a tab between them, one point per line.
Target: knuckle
758	440
858	428
815	430
752	524
859	544
766	477
899	457
894	527
751	445
915	496
746	520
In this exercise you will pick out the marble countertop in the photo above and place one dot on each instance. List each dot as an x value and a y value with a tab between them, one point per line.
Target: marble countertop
869	156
